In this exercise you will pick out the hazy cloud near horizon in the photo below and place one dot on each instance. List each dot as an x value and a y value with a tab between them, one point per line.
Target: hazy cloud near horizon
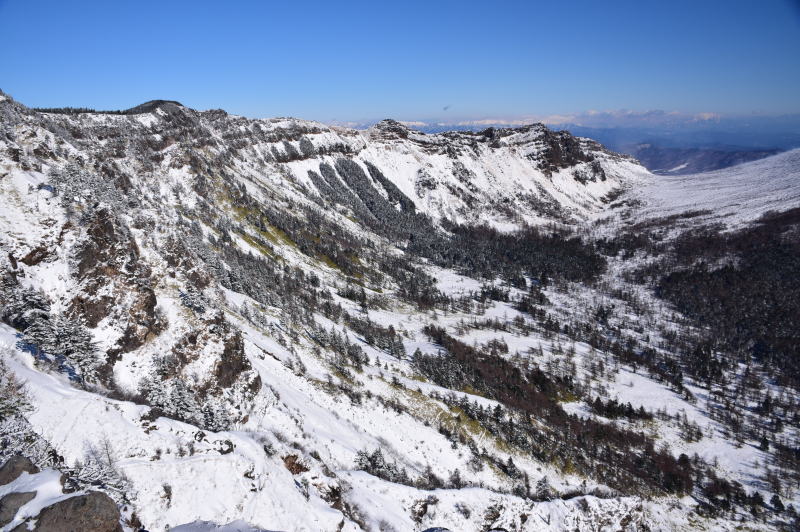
623	129
610	119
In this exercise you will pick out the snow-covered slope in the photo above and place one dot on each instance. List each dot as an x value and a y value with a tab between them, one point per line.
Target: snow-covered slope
734	196
501	176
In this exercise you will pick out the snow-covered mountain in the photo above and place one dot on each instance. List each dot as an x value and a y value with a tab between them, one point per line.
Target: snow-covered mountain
290	326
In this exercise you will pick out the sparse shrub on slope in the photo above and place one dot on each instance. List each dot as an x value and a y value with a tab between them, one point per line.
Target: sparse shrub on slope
375	464
624	459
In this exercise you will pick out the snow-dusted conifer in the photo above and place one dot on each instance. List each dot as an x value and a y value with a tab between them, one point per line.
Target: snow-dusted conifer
39	335
214	416
74	342
543	490
182	403
193	299
14	400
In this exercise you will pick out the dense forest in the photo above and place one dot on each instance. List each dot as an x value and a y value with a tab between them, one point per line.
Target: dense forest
745	287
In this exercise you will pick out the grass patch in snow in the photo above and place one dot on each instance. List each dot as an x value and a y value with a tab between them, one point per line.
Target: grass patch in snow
452	418
259	246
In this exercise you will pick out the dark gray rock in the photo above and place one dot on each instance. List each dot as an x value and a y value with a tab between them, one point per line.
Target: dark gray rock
14	467
93	512
11	503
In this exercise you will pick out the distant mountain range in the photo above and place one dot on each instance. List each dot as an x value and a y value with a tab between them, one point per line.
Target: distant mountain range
660	160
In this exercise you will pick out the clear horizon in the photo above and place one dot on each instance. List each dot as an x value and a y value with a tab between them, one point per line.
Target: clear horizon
447	62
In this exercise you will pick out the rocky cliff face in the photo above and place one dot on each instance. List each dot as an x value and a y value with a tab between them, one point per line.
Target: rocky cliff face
114	282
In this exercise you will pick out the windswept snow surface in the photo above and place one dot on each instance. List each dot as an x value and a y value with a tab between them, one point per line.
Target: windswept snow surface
735	195
206	526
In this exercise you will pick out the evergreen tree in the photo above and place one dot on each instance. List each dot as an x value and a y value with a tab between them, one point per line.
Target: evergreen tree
39	336
455	479
182	403
193	299
543	490
14	400
215	417
21	307
58	336
74	342
776	503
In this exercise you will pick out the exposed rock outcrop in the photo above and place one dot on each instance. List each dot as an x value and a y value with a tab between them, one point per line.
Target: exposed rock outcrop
92	512
11	503
14	467
108	266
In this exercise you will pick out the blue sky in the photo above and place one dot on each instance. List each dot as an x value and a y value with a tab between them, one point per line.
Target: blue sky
410	60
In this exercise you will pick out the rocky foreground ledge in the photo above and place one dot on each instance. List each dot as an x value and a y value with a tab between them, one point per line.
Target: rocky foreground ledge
30	496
